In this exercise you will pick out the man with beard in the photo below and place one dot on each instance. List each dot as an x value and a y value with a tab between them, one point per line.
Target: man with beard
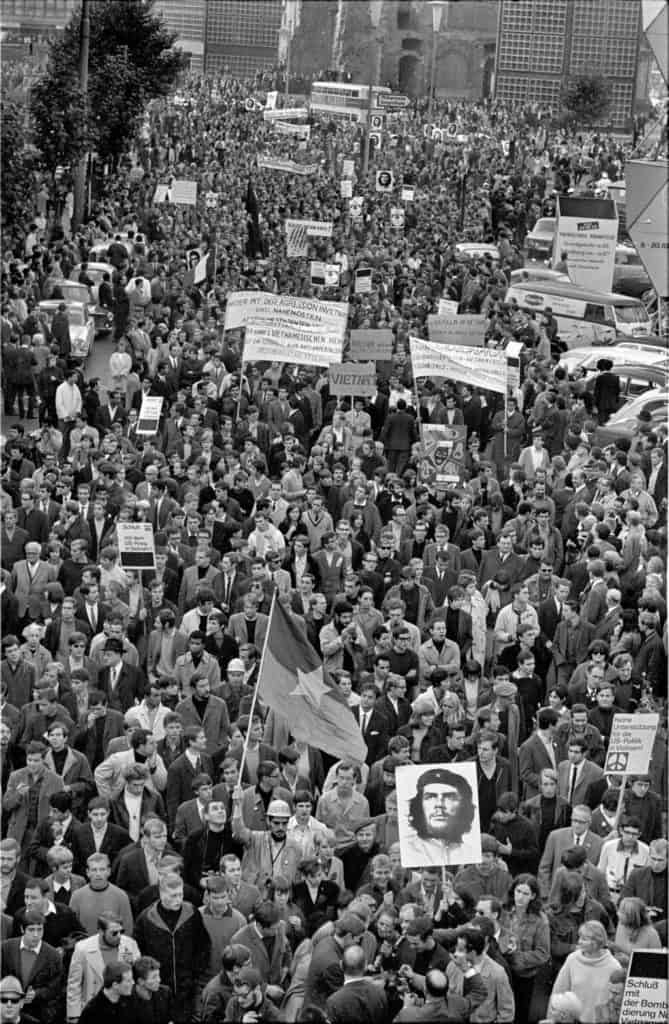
441	815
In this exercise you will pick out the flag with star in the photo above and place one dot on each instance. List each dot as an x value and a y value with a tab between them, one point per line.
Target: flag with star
292	682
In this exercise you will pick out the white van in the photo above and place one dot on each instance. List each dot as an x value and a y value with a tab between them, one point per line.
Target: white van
584	317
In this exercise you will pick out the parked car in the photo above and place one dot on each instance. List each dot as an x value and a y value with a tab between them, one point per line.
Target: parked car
539	241
476	251
627	352
538	272
95	272
82	325
75	291
625	423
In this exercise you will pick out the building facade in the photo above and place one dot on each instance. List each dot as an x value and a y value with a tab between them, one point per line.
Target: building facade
241	37
543	44
187	18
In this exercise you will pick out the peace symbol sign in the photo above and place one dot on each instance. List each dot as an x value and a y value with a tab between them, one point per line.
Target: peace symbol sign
617	761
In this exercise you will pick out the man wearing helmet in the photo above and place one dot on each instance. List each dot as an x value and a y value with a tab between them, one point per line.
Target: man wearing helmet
267	853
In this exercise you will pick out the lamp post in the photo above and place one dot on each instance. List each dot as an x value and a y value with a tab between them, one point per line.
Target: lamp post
375	15
438	9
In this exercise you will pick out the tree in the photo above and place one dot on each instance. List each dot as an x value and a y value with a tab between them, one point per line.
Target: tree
17	167
587	99
132	59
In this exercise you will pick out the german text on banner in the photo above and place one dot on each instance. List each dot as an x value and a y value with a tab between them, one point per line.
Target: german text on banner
293	683
285	344
586	235
372	343
482	367
324	274
457	329
288	311
357	380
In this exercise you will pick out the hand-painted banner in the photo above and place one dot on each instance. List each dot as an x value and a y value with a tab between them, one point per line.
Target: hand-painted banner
482	367
300	131
183	191
444	449
271	163
455	329
286	114
291	311
282	343
357	380
149	414
298	233
371	343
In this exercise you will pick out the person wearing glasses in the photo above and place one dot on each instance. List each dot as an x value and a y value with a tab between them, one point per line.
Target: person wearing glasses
90	957
561	839
13	1001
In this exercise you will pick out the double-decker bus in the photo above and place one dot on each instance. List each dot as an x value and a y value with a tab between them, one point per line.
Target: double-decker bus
344	100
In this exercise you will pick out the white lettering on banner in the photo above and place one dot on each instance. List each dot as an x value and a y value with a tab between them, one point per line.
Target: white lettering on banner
149	414
457	329
631	744
352	379
289	166
587	232
297	313
161	195
135	545
183	192
285	344
407	194
482	367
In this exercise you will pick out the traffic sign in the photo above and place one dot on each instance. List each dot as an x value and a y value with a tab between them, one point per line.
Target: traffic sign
392	101
648	231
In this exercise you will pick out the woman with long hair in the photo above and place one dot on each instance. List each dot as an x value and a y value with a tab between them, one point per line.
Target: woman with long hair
529	942
419	729
586	972
634	929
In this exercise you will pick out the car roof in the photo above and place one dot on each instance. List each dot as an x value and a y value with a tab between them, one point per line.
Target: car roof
94	265
70	303
634	405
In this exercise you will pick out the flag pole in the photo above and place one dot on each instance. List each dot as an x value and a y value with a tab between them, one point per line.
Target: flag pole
254	700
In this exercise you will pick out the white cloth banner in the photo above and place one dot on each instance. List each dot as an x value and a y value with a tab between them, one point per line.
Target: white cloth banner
482	367
183	191
291	311
282	343
285	114
271	163
300	131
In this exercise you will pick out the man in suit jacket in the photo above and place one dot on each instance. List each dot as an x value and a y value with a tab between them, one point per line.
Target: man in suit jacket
84	979
185	770
501	559
359	999
13	540
394	705
122	683
16	801
97	727
593	598
31	519
131	872
325	975
550	611
576	774
399	433
44	976
97	835
214	720
539	751
561	839
110	774
29	579
373	724
238	625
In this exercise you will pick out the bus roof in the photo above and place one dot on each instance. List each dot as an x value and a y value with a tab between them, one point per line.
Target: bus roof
347	86
574	292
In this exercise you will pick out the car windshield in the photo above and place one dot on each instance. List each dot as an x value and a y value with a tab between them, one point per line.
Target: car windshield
631	314
76	317
546	225
75	293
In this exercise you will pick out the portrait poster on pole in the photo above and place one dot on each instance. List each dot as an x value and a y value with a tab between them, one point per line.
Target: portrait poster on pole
438	815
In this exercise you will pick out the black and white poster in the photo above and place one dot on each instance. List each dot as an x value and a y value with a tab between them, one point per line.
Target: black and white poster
438	815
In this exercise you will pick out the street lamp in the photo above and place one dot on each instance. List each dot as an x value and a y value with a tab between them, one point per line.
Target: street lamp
439	7
375	16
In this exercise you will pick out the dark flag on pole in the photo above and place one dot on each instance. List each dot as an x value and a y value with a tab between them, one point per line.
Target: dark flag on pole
254	245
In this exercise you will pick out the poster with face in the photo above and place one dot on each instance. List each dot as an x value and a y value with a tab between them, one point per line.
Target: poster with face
438	815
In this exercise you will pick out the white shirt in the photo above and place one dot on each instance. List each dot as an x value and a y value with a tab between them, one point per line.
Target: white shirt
133	805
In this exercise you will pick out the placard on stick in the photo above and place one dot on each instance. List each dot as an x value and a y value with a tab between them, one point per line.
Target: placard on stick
135	546
357	380
631	744
149	415
645	995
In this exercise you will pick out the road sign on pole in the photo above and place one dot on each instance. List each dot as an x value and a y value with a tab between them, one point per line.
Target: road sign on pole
392	101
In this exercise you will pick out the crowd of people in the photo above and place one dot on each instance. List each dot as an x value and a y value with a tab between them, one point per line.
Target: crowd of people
504	620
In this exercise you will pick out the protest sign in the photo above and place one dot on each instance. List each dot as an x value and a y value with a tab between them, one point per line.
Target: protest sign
371	343
272	97
149	414
631	744
363	281
281	343
447	307
161	195
454	329
375	139
211	200
271	163
485	368
645	994
298	233
286	114
407	194
385	181
376	122
428	836
397	217
513	353
586	235
300	131
135	545
348	168
444	448
183	192
352	379
346	186
288	311
355	207
324	274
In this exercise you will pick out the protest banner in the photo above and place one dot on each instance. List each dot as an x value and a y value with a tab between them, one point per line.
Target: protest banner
136	549
324	274
161	195
586	235
300	131
183	192
288	311
407	194
385	181
371	343
286	114
428	837
346	186
447	307
149	414
282	343
631	744
443	457
645	994
271	163
357	380
485	368
397	217
348	168
363	281
298	233
457	329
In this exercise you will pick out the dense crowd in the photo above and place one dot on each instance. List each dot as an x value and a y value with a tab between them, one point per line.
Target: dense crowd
503	621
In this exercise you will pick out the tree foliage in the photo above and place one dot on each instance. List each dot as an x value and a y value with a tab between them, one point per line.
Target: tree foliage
587	99
16	167
132	59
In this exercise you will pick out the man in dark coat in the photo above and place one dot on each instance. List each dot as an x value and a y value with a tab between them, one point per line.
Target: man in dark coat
606	391
38	967
359	999
398	435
